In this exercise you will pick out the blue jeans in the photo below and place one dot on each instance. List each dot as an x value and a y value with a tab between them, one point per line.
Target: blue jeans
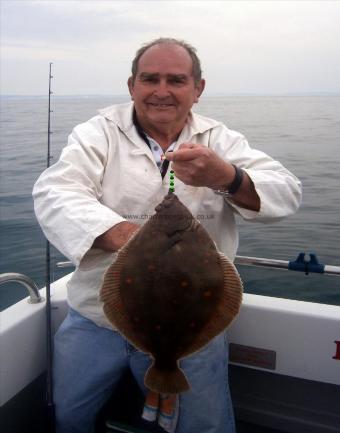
89	361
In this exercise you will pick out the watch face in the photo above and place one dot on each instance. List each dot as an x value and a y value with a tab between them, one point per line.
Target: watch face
226	193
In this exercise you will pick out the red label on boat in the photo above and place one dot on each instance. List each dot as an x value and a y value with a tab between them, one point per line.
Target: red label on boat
337	353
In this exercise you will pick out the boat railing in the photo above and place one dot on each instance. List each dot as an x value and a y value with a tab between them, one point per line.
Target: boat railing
300	264
31	286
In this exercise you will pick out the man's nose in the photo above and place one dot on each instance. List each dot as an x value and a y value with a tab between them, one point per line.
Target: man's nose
162	89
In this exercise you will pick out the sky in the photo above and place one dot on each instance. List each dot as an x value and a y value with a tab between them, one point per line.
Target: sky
246	47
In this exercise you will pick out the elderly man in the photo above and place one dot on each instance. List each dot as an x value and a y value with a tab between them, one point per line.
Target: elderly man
112	174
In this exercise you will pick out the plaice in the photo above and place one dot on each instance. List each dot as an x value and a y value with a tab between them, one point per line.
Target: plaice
170	291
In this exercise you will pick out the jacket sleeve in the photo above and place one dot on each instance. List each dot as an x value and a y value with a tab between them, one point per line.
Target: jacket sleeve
279	190
67	194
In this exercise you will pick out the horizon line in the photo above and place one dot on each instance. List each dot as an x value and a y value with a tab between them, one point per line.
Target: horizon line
211	95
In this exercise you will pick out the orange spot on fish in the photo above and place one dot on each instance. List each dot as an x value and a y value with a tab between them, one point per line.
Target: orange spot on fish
184	284
119	306
207	293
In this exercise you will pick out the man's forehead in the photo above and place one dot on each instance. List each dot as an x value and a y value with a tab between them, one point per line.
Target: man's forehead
166	47
148	74
172	55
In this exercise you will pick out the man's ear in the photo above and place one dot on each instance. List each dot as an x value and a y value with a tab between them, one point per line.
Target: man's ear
130	86
199	89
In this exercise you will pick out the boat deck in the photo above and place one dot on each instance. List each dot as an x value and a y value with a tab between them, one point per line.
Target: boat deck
243	427
124	414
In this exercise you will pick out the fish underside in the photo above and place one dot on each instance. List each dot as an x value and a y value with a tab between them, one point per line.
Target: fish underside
170	291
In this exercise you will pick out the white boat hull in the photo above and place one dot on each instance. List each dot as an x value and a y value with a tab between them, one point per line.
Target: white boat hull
274	342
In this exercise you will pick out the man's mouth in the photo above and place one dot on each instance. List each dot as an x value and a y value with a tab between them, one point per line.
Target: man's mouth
160	105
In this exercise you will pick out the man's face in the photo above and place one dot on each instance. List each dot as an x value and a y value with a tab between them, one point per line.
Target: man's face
164	89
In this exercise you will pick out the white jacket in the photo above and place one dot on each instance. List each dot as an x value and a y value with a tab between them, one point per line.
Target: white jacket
107	174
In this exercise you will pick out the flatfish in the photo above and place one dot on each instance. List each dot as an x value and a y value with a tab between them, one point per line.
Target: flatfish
170	291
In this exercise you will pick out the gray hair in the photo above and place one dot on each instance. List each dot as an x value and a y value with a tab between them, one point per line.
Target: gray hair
196	64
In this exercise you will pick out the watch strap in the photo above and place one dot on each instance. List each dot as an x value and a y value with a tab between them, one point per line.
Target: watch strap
235	184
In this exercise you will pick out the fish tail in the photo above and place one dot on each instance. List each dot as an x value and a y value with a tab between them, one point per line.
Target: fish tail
166	381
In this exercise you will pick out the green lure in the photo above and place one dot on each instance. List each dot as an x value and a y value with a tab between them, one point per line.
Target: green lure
172	181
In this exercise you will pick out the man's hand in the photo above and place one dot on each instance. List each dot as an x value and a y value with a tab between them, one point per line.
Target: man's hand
198	165
116	237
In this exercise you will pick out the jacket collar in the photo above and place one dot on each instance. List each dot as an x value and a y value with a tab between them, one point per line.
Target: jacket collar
122	116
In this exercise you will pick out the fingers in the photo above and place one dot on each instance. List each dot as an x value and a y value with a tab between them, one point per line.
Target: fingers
186	152
198	165
187	162
189	145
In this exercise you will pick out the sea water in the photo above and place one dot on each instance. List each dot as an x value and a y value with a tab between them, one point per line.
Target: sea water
303	133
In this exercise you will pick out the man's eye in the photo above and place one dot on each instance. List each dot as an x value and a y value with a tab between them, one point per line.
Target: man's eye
177	80
149	79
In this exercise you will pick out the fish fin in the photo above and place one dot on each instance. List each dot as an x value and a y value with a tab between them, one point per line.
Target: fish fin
166	381
110	291
232	290
113	306
226	310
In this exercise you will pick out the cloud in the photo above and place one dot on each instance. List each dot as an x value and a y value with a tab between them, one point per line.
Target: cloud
242	45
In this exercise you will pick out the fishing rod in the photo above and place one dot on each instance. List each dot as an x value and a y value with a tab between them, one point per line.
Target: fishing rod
49	346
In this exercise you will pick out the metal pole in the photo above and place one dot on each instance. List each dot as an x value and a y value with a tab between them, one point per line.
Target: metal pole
253	261
279	264
261	262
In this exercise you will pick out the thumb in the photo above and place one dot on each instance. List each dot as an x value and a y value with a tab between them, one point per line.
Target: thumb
169	155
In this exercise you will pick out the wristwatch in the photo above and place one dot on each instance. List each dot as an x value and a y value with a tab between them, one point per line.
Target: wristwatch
235	184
